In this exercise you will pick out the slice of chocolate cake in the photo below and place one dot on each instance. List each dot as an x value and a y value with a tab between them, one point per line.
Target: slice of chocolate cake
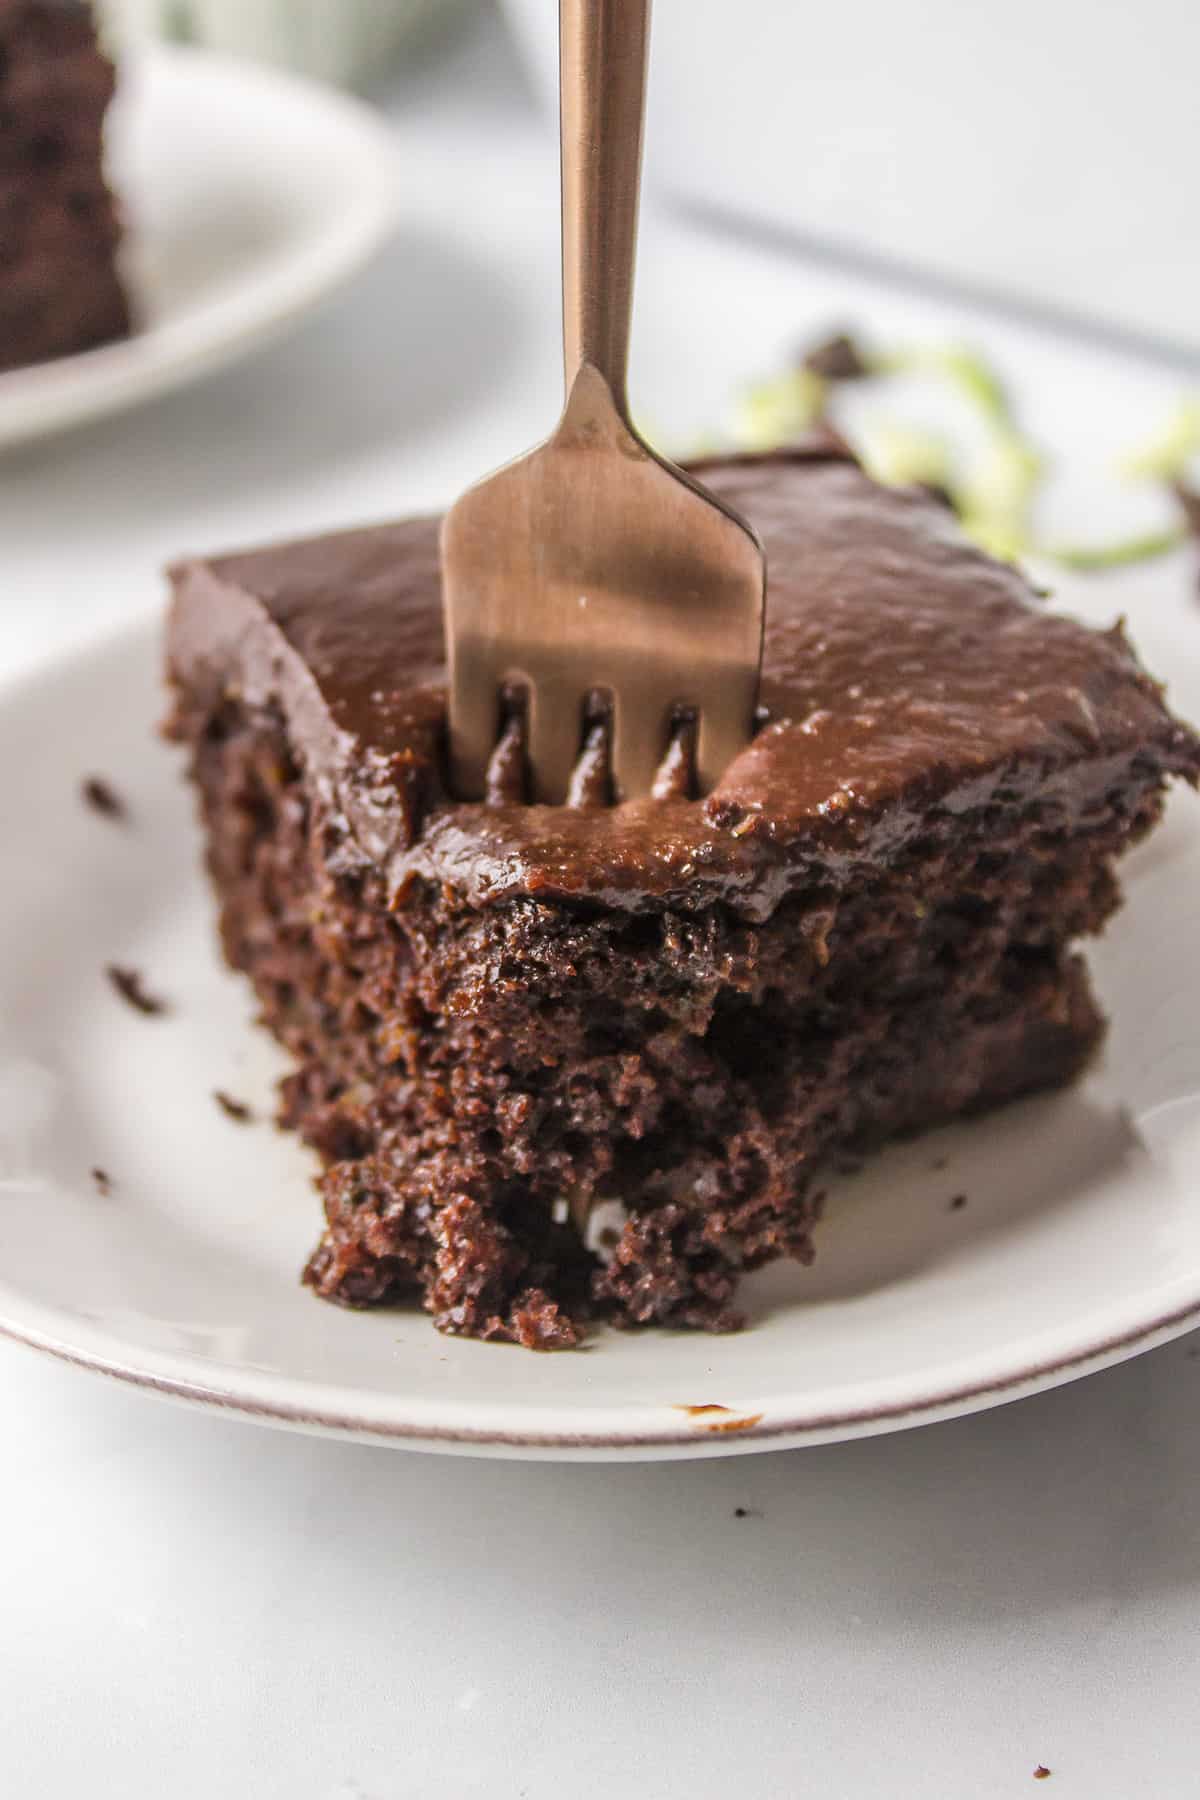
515	1024
60	290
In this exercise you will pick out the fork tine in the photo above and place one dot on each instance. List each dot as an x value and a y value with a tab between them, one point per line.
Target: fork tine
554	728
640	736
721	732
475	713
592	562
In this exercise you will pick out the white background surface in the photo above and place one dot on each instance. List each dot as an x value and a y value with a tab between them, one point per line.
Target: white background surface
194	1608
1040	148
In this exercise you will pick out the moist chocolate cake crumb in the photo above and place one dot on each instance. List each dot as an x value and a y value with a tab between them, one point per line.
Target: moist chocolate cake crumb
746	1512
506	1018
233	1109
128	983
1041	1773
958	1202
103	1181
103	798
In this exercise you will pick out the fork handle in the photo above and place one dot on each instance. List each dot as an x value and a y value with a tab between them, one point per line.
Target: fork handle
602	71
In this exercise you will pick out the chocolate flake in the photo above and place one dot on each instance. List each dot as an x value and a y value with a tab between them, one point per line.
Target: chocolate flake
103	798
129	985
837	359
1189	500
103	1182
233	1109
746	1512
958	1202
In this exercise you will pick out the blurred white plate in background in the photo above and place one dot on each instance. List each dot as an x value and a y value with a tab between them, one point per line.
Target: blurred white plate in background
250	195
331	40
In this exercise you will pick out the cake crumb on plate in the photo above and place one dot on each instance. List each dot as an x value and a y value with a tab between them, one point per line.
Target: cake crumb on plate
128	983
103	798
237	1110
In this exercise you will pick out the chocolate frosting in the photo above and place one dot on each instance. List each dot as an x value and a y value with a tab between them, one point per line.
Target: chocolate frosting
903	671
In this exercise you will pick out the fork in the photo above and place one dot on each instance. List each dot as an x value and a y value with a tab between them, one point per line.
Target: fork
591	567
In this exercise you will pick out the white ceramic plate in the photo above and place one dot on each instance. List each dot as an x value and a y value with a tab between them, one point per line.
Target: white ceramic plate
250	195
1079	1242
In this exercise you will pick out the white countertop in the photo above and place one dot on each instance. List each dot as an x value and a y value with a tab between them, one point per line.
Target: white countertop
198	1608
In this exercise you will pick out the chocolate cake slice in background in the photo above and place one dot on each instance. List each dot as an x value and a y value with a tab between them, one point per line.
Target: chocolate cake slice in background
60	290
511	1023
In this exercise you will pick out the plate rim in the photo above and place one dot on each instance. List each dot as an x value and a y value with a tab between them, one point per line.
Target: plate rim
270	1399
68	392
683	1443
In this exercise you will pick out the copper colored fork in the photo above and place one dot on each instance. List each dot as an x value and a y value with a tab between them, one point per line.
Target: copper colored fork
592	566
